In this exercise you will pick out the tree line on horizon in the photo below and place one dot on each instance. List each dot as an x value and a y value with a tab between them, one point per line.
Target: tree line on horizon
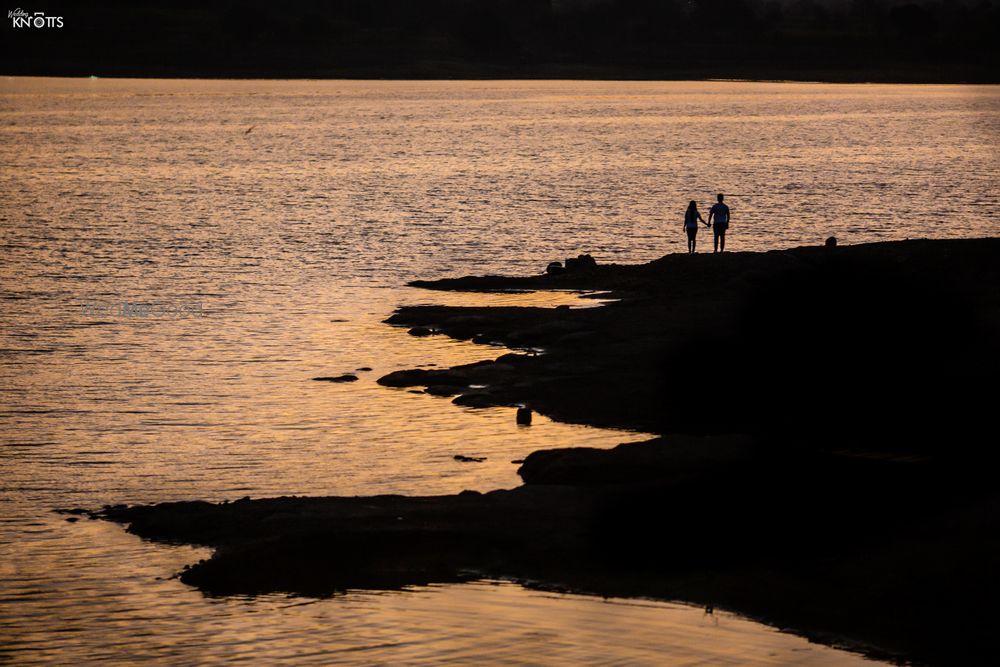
845	39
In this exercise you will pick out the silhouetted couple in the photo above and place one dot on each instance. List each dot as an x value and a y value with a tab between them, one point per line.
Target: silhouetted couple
718	220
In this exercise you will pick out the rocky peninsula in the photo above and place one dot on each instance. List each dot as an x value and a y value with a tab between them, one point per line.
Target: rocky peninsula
823	462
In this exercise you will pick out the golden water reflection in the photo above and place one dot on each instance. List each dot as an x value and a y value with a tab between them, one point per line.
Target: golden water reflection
150	617
294	242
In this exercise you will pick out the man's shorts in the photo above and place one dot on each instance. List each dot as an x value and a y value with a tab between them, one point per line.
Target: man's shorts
720	229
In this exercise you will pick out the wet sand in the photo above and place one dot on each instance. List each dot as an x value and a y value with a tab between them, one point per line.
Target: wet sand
822	464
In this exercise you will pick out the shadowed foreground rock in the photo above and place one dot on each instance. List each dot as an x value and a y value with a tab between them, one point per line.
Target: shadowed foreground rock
894	557
834	477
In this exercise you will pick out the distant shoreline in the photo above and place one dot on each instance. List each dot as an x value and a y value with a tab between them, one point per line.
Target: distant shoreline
992	79
918	41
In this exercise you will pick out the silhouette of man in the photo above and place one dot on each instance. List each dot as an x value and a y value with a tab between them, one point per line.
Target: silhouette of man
720	212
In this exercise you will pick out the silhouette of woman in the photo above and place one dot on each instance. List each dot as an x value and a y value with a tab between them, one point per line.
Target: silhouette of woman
691	218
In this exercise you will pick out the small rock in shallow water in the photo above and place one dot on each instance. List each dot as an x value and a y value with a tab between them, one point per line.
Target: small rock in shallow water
524	416
831	242
554	268
363	369
469	459
420	331
346	377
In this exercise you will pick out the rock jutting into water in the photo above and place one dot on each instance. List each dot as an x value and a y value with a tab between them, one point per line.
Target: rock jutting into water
523	416
346	377
580	263
421	331
821	464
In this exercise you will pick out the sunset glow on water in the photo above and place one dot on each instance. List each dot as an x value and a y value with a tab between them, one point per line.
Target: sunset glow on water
261	232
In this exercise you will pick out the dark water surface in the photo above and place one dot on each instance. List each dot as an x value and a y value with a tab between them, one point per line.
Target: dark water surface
254	261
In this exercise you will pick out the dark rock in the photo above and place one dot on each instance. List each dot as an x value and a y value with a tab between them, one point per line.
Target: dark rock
489	372
427	378
580	263
524	416
76	511
466	321
406	378
469	459
554	268
346	377
462	331
672	459
831	242
476	400
576	338
547	331
421	331
442	390
364	369
487	339
568	368
457	377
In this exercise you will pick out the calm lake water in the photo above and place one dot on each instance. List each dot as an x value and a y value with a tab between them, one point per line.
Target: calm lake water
261	230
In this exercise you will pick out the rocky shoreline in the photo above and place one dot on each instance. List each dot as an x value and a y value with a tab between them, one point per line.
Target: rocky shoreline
822	464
